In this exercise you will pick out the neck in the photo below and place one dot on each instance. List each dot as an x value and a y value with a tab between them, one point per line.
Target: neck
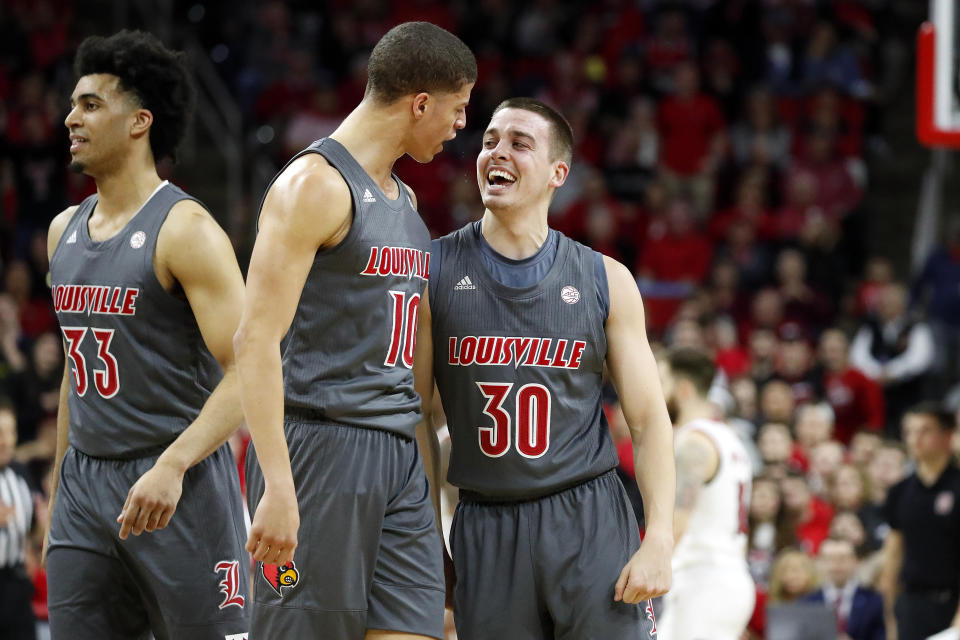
516	235
695	409
374	136
124	190
930	469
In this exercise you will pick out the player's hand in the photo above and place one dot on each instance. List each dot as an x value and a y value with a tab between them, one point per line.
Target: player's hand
647	574
273	535
151	501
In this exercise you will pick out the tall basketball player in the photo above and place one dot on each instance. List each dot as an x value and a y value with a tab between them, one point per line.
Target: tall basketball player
148	294
712	594
519	324
338	268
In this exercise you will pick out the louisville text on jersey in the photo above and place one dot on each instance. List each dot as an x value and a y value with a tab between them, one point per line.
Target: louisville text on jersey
398	261
519	351
85	298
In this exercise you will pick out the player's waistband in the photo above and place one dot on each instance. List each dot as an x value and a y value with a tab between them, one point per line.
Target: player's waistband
132	454
310	416
472	496
307	414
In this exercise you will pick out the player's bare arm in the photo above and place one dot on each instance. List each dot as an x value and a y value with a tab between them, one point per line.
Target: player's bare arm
697	462
633	370
193	253
308	207
54	233
427	439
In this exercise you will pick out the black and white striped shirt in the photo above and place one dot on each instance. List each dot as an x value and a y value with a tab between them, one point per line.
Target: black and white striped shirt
14	492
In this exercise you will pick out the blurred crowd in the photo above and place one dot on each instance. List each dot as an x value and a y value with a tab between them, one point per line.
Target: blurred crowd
721	153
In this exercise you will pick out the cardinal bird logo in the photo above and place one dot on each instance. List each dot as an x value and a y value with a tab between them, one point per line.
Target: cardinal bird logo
652	618
280	577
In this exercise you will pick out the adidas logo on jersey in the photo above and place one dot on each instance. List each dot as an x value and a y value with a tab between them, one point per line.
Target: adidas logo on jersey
367	196
73	237
465	284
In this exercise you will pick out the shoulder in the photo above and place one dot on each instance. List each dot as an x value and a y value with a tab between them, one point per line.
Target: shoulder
448	244
413	196
192	244
310	201
57	227
188	223
618	274
625	300
311	176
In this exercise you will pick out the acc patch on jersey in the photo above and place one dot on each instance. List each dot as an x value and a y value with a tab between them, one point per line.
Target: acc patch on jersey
280	577
570	295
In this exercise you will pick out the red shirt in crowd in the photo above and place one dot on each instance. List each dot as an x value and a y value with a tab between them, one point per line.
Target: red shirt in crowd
815	527
837	193
687	128
677	257
857	403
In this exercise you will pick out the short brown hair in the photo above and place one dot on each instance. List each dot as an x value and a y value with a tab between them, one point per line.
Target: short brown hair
418	56
932	408
694	365
561	141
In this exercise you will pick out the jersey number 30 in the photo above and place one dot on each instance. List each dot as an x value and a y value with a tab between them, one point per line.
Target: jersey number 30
107	379
532	418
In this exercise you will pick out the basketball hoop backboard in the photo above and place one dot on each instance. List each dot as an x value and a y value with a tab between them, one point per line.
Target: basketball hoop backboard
938	85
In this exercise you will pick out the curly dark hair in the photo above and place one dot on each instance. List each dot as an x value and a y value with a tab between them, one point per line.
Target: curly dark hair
418	56
155	76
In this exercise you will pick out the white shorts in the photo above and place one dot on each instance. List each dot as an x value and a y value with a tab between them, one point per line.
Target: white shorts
707	603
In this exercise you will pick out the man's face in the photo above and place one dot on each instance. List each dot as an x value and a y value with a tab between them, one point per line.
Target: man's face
446	114
100	121
515	168
833	350
924	437
838	560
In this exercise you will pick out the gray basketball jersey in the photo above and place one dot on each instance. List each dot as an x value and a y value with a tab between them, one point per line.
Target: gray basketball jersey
349	352
519	372
140	369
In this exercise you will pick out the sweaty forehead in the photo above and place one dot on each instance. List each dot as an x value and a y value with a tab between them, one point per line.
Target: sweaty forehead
104	85
512	121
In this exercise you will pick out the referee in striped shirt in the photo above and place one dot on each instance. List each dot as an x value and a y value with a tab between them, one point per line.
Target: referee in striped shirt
16	522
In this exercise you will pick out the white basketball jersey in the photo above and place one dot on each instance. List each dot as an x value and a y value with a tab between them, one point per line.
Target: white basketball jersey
716	532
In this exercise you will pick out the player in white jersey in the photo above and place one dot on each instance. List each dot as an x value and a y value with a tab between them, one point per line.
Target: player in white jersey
712	596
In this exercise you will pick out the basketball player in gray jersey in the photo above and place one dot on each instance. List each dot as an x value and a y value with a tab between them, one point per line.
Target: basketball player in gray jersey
519	324
148	295
339	265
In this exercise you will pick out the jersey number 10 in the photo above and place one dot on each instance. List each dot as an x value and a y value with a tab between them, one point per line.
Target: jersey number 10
403	335
532	418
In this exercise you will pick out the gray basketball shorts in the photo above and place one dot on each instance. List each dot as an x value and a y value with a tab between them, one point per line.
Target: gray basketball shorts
547	568
368	553
189	580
